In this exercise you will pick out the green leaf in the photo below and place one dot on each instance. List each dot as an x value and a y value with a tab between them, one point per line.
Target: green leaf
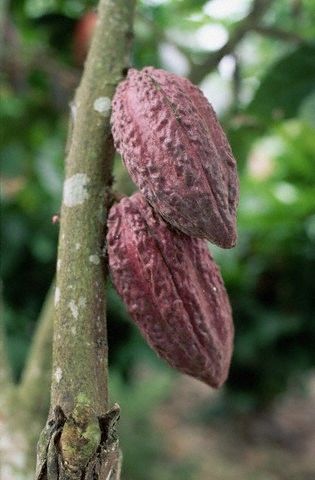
286	85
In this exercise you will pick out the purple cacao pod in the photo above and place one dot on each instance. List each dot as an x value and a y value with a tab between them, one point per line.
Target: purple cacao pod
177	153
173	290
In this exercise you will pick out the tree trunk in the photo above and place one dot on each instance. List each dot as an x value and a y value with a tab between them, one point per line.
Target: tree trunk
79	440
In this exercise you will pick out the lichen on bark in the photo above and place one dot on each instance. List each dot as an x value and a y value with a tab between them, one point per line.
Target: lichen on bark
79	402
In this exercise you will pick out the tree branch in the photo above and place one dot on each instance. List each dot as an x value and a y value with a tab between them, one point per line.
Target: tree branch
249	23
79	416
161	35
34	385
279	34
24	406
6	381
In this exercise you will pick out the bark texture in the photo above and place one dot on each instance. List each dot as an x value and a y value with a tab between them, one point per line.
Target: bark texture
79	439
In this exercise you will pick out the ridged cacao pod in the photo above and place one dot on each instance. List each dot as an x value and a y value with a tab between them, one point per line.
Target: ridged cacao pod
177	153
173	290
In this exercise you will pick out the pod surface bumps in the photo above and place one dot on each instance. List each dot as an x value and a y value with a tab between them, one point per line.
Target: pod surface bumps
173	290
177	153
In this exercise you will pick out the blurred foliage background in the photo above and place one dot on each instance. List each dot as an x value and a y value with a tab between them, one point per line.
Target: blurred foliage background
255	61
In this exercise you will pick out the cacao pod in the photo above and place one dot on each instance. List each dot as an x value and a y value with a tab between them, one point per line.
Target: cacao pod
177	153
173	290
82	36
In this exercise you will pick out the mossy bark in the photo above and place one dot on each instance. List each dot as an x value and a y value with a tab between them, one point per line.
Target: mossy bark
78	440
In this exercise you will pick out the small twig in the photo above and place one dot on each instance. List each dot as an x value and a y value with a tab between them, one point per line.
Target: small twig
280	34
162	36
258	10
6	381
24	406
236	82
33	389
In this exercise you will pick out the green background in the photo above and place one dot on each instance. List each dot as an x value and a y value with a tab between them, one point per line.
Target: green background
264	94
